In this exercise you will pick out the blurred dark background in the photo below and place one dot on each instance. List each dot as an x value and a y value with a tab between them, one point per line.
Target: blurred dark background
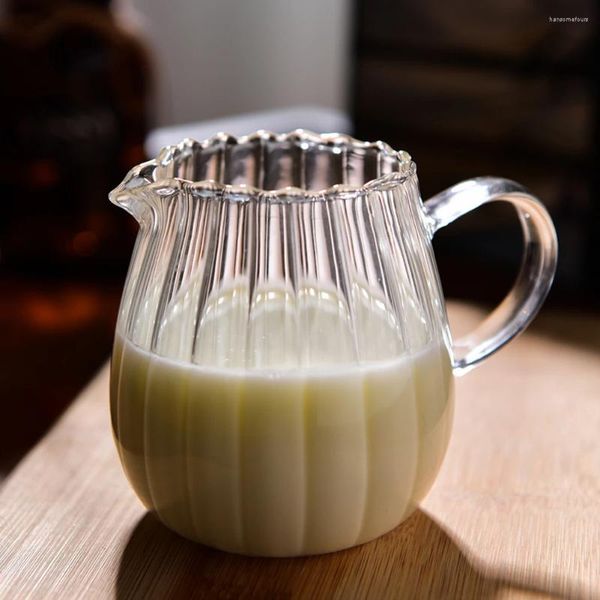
490	88
469	89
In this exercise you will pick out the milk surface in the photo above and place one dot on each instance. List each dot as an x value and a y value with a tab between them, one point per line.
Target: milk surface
286	461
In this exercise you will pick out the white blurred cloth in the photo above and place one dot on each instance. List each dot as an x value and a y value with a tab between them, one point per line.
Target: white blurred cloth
314	118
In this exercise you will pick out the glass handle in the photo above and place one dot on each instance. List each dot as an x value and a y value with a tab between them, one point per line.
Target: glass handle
540	250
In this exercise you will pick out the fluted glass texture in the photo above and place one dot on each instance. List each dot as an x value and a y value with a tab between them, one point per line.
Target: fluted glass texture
281	381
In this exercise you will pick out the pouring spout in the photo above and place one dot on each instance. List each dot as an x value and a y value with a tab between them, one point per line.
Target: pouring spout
131	194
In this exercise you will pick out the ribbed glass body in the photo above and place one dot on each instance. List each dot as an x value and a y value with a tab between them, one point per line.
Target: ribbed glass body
281	381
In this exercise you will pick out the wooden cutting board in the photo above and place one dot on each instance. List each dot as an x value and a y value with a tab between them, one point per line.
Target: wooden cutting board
515	512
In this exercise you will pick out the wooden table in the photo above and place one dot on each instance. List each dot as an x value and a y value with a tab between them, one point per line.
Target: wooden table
515	511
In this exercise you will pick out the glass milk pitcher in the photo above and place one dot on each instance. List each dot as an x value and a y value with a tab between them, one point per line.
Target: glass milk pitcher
282	374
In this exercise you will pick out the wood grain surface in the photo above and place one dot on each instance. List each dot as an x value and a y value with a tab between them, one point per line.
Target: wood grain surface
515	512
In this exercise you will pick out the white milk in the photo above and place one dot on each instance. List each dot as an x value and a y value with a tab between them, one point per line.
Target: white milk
281	462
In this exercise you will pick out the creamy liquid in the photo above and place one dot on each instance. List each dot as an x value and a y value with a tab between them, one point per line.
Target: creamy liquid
281	463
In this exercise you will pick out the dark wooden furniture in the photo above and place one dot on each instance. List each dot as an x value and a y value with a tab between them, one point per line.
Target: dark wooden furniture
491	88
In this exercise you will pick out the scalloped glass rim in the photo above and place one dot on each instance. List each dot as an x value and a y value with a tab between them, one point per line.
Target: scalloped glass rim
144	176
